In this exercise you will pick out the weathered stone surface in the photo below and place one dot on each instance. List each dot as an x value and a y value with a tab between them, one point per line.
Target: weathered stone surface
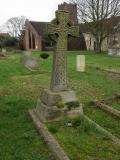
29	62
60	28
75	112
53	103
47	113
53	145
68	96
50	98
80	63
4	50
114	52
107	109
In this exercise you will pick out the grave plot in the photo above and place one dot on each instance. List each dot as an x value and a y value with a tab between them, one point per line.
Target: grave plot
111	71
4	57
29	62
111	105
18	138
82	141
104	119
116	105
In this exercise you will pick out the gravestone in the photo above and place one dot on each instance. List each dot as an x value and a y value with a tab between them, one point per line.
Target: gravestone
80	63
59	101
114	52
114	49
4	50
29	62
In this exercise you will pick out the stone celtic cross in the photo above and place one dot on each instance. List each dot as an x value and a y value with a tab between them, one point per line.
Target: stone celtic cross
60	29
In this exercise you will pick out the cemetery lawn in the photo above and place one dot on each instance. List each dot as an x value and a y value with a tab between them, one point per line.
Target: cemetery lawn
19	89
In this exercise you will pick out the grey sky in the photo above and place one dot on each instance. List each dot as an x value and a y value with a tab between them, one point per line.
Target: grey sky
38	10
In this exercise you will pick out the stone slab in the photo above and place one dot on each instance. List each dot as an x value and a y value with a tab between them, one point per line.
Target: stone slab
80	63
48	113
52	143
52	98
107	109
104	131
30	62
54	113
4	50
68	96
114	52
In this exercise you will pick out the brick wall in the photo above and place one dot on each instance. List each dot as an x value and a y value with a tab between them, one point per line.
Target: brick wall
29	29
72	9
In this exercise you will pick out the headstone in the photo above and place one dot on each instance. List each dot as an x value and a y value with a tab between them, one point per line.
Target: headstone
28	53
114	52
114	49
53	103
29	62
4	50
80	63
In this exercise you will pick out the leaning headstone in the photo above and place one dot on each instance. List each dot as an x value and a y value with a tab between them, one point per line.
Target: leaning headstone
28	53
59	101
80	63
29	62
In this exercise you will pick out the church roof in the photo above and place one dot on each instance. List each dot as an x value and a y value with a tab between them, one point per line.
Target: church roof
40	27
108	24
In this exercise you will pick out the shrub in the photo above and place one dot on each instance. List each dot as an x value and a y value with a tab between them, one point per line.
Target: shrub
73	104
44	55
10	42
60	105
53	129
79	121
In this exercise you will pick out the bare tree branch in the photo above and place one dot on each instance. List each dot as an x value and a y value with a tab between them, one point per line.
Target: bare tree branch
100	17
15	25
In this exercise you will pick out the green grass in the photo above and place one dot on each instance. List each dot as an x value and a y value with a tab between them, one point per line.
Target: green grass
19	89
115	104
18	138
84	142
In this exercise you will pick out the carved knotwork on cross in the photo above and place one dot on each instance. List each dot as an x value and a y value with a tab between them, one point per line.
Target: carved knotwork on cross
61	29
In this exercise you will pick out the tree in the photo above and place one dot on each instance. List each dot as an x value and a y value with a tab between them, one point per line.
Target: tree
100	16
16	27
7	41
2	38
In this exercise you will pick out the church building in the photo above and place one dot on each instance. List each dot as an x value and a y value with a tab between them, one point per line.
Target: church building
36	33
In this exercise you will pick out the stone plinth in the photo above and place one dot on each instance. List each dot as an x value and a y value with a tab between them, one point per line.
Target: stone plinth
53	106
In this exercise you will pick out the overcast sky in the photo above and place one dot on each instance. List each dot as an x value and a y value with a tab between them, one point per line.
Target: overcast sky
38	10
